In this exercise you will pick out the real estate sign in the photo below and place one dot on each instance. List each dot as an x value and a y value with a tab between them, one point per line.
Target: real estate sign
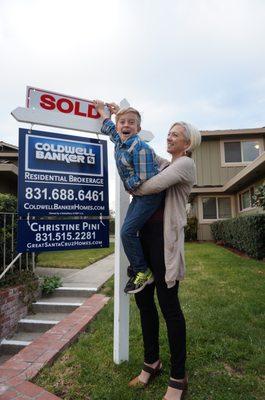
49	235
62	175
44	107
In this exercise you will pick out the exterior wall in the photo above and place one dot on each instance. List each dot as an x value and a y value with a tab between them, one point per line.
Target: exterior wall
208	162
204	228
8	183
11	310
204	232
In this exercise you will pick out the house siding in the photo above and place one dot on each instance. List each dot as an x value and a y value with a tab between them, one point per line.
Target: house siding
204	232
208	163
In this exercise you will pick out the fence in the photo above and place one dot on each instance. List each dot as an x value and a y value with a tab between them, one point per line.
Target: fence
10	260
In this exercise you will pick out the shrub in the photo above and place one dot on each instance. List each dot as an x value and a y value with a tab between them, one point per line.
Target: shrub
50	283
8	204
191	229
245	233
8	235
259	196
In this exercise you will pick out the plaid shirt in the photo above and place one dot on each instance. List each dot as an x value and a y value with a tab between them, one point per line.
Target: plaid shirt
135	160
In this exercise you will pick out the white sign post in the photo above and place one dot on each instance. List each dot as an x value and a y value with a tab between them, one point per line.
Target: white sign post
121	300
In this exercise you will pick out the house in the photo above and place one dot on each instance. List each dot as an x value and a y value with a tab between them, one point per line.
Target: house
8	168
230	164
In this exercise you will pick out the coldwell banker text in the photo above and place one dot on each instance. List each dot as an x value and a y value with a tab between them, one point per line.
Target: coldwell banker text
64	153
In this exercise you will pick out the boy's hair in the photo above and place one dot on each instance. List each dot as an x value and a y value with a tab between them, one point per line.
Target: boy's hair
126	110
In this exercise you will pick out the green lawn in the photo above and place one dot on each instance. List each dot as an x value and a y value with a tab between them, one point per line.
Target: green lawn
223	298
73	258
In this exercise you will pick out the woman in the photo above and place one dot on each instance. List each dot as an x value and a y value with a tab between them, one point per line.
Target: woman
163	243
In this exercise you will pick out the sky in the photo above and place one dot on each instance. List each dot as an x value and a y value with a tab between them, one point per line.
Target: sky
200	61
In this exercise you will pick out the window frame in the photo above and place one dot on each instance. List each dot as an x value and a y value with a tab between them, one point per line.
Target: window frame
239	194
209	221
242	163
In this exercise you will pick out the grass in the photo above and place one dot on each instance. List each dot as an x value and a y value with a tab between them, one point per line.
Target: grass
223	299
73	258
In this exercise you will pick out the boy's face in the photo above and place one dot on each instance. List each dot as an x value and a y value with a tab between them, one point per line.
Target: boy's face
127	126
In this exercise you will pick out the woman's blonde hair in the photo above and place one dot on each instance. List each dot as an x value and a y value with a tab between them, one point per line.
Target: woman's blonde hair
191	133
126	110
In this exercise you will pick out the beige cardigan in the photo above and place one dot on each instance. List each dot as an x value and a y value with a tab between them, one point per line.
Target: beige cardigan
178	178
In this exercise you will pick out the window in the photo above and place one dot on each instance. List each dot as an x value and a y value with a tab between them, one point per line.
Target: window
216	208
240	151
209	208
246	199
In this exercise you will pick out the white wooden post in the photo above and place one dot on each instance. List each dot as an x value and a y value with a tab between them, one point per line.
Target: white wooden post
121	300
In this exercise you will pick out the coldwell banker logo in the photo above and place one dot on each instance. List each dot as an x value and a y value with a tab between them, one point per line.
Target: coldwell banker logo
63	156
64	153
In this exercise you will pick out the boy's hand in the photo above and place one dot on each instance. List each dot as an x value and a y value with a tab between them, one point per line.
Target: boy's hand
100	107
113	107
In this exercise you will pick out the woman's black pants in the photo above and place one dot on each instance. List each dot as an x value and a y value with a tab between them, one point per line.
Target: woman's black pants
153	246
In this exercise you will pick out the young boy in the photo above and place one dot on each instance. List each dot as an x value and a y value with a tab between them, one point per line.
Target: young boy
136	162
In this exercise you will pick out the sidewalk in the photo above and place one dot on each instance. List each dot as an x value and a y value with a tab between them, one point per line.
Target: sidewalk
25	365
93	276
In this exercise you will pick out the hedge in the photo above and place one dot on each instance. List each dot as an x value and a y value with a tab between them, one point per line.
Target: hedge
244	233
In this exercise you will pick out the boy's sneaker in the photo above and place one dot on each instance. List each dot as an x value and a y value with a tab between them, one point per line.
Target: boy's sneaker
138	282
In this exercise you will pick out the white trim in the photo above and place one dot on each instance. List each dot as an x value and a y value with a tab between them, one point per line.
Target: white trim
243	163
57	303
87	289
15	342
39	321
248	189
209	221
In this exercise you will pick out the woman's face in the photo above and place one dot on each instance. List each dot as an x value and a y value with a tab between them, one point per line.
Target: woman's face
176	141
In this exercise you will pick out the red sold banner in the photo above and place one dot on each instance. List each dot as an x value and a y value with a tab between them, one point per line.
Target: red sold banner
56	102
44	107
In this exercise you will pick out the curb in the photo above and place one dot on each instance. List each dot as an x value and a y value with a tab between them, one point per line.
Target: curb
26	365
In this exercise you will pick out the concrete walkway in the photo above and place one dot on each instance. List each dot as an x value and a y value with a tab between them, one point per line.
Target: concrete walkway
93	276
26	364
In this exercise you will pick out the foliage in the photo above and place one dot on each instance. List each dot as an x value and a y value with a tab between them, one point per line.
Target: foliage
244	233
224	309
8	203
191	229
50	283
259	196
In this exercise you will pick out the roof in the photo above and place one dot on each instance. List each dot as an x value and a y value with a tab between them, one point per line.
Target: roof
227	132
11	146
9	168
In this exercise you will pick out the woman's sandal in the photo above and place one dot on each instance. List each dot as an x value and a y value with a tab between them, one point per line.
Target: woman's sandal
154	372
180	386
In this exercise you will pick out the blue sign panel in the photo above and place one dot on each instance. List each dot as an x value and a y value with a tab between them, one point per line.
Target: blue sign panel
62	174
51	235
